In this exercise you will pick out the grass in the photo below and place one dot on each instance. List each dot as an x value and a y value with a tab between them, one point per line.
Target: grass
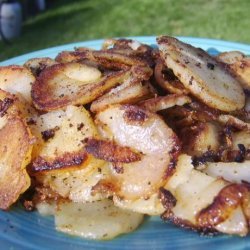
78	20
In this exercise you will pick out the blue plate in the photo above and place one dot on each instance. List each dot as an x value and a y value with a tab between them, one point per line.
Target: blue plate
28	230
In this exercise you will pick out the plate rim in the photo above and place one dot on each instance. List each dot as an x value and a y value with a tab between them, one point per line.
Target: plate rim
97	42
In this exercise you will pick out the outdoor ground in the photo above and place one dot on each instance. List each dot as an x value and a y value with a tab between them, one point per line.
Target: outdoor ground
79	20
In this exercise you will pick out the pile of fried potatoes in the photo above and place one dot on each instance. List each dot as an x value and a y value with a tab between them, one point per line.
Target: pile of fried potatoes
100	138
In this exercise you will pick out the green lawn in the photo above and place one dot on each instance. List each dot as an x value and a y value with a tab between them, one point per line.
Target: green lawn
78	20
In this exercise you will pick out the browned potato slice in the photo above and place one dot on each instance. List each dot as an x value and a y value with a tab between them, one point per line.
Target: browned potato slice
9	105
235	224
109	151
239	64
200	138
167	80
203	202
60	140
233	198
241	137
149	206
234	122
72	83
21	108
36	65
165	102
242	70
128	44
76	184
192	190
17	80
104	58
126	93
230	57
15	151
146	133
206	78
231	171
75	56
132	48
110	59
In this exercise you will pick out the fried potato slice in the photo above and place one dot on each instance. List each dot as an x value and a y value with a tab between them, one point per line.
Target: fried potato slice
239	64
224	205
167	80
17	80
230	57
77	185
75	56
206	78
9	106
126	45
110	151
131	47
200	138
147	133
242	70
63	84
21	107
181	117
126	93
107	59
60	139
72	83
150	206
99	220
37	65
241	137
235	224
234	122
116	60
165	102
204	202
231	171
192	190
15	151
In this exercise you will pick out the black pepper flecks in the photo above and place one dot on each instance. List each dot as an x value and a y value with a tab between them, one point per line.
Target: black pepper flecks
50	133
198	64
80	126
191	80
210	66
4	105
